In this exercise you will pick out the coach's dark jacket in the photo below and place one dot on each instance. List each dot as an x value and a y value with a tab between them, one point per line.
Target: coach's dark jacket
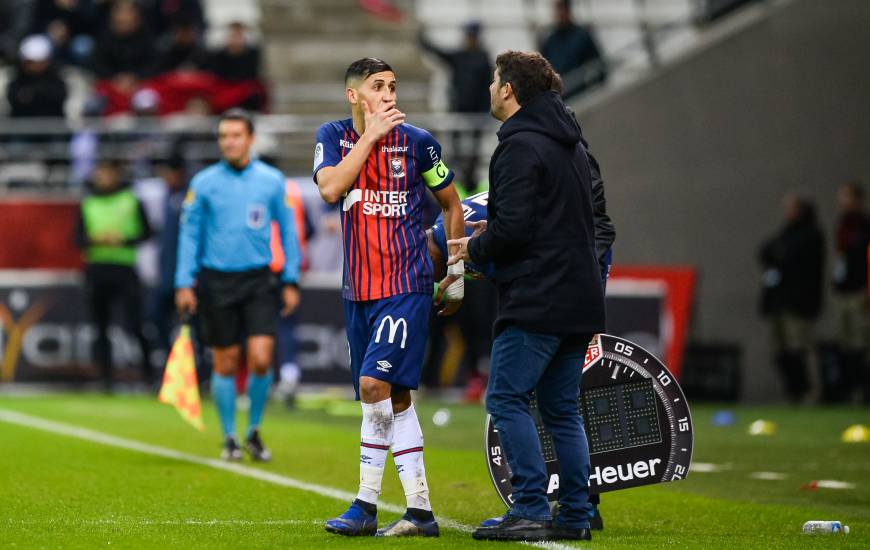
540	232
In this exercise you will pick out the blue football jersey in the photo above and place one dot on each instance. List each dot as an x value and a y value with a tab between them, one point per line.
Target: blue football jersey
473	210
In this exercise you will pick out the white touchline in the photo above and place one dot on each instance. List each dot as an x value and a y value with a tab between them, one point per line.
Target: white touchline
834	484
71	430
149	522
768	476
707	467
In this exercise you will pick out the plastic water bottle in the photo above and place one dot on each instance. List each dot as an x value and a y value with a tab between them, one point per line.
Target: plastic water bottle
812	527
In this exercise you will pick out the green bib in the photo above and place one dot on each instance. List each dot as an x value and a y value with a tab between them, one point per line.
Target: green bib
115	214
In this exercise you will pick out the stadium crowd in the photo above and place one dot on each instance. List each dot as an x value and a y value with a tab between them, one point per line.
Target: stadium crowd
147	55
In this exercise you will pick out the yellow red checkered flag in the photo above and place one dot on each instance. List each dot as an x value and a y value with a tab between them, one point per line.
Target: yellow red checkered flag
179	387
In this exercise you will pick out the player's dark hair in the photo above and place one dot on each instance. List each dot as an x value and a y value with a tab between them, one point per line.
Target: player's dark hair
363	68
240	115
528	73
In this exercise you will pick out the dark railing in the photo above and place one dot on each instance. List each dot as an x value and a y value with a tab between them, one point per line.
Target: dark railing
55	154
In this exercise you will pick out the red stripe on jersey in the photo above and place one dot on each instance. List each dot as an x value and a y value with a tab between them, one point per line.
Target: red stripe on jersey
378	273
400	245
396	254
365	286
388	225
409	238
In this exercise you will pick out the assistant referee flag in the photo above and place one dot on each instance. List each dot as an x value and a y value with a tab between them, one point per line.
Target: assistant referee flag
180	387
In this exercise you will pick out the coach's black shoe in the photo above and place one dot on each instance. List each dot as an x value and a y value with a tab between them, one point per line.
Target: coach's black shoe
232	452
491	522
514	528
563	532
254	446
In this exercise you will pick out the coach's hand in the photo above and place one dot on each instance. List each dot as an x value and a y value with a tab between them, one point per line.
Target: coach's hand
478	227
382	120
290	297
185	301
462	253
448	307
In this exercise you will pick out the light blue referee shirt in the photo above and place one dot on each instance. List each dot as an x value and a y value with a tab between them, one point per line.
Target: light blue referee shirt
226	222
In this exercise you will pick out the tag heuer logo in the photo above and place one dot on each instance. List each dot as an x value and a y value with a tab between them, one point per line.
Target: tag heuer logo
384	366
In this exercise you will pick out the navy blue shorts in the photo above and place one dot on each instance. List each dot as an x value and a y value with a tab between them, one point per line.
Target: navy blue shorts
387	338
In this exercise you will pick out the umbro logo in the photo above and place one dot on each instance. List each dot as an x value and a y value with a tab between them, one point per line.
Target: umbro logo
384	366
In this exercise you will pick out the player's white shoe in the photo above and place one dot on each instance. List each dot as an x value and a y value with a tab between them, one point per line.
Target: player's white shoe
407	526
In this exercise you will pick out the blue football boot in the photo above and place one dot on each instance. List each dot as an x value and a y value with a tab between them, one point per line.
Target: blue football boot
356	522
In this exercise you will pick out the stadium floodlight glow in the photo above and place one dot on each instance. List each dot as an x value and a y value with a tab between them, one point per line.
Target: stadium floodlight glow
637	422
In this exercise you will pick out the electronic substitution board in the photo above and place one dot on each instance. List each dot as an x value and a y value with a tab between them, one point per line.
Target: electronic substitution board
637	423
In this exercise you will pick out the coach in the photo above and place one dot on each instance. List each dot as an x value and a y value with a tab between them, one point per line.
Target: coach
539	234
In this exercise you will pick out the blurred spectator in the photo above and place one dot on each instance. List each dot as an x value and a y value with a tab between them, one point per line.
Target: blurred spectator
112	223
15	21
237	60
36	89
325	246
182	50
125	52
287	341
850	287
471	73
145	142
162	15
174	175
84	144
237	64
793	263
70	26
573	52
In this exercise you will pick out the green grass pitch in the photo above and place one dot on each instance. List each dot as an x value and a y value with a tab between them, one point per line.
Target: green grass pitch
58	491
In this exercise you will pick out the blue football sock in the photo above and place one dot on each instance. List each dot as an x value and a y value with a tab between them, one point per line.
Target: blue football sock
258	392
223	388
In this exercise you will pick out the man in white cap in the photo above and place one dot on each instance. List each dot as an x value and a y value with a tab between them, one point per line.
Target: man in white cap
36	90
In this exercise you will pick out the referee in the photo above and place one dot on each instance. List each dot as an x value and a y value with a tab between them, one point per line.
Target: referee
223	271
540	236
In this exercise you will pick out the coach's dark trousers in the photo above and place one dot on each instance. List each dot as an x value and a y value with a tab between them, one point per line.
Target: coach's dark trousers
551	365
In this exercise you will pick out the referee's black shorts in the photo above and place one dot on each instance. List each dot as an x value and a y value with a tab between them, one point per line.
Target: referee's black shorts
235	305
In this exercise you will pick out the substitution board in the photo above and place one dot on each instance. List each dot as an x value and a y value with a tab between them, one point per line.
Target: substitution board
637	421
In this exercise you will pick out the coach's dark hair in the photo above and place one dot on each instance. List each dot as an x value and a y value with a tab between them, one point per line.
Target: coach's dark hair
556	85
363	68
240	115
528	73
